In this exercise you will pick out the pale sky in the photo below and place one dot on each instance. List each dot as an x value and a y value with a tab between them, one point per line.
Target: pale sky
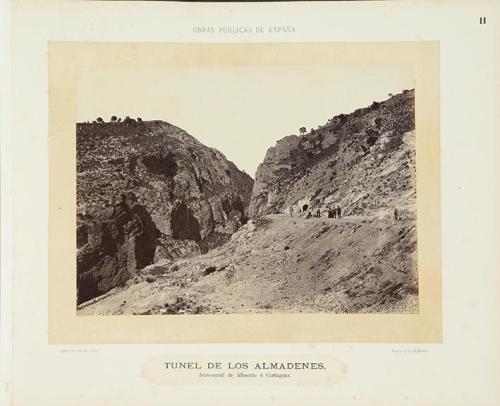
240	110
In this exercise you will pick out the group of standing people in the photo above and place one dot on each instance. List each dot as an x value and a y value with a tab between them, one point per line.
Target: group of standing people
333	212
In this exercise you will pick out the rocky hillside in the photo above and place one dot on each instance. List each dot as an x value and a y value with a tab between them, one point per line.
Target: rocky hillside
281	260
279	263
364	162
186	198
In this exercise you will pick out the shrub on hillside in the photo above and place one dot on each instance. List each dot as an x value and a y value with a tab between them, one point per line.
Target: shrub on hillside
129	121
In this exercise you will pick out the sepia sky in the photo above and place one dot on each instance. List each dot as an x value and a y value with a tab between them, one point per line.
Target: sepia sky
240	110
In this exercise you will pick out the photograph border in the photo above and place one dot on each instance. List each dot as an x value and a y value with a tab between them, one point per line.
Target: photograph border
65	327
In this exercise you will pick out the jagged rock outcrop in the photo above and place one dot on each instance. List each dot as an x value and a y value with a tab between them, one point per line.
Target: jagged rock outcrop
192	196
363	162
114	247
189	189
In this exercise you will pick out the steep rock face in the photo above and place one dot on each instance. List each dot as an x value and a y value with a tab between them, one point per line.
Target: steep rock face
112	248
364	162
188	188
189	195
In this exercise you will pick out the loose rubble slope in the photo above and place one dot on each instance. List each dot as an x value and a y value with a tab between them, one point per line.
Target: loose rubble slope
283	264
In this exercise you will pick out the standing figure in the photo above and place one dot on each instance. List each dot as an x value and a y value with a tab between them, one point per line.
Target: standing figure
339	211
318	213
396	214
291	211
